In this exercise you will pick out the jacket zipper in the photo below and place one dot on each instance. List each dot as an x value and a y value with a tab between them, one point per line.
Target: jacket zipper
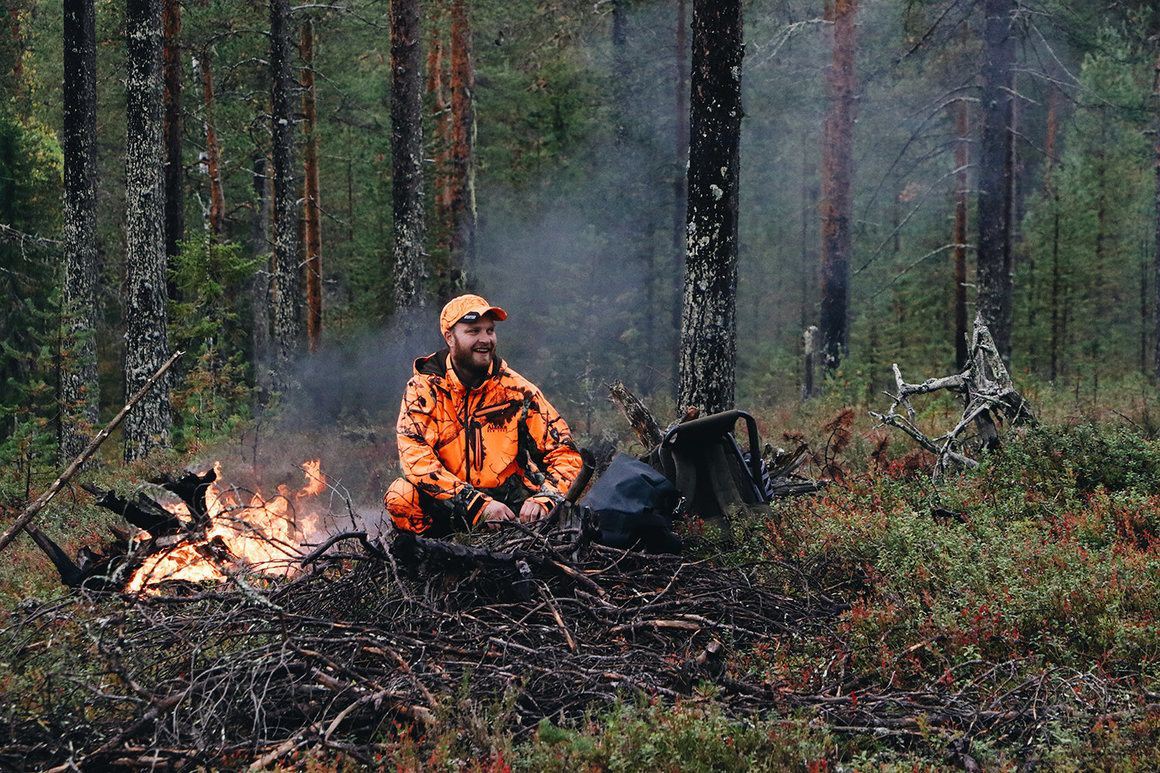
467	436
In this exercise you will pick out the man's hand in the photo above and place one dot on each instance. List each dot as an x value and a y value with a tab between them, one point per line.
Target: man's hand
496	512
532	511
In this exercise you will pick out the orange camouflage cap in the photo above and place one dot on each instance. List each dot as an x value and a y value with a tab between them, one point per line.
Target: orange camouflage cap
467	308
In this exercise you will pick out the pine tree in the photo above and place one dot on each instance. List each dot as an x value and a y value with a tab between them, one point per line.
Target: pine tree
146	344
837	183
996	146
285	269
407	154
79	388
709	320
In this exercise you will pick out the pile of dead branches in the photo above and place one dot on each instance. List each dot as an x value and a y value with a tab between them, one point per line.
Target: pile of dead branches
382	637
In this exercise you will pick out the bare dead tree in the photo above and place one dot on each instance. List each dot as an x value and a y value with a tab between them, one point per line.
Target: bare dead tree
989	397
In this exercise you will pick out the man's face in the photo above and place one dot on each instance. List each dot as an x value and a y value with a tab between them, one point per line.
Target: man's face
472	344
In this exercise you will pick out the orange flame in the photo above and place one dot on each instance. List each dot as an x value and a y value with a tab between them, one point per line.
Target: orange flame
246	531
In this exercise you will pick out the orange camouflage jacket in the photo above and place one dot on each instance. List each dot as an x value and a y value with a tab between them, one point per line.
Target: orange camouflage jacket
454	442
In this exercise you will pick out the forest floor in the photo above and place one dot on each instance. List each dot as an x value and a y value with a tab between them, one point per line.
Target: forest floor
999	618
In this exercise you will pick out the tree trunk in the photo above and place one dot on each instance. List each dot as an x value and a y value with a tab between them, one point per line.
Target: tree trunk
213	153
962	159
1156	252
837	183
441	118
709	321
461	210
312	209
407	155
79	388
680	181
260	283
174	169
1049	153
286	269
146	345
993	253
1058	313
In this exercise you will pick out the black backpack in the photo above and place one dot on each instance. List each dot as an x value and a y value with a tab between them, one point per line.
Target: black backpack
632	505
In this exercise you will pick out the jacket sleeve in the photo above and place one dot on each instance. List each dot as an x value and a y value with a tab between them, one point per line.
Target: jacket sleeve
418	433
561	462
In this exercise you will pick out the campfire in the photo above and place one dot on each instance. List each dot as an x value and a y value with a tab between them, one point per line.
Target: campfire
202	528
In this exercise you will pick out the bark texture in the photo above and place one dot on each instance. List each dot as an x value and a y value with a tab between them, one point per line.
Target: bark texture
680	172
709	319
78	372
174	169
962	159
461	210
410	269
260	283
1156	252
995	173
146	344
837	183
312	209
286	267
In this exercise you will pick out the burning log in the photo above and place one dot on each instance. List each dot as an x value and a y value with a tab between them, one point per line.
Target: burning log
215	532
144	512
192	489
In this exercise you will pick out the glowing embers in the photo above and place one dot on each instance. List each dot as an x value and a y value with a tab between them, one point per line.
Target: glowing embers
246	532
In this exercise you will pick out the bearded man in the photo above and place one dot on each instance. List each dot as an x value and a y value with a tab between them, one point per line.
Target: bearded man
478	443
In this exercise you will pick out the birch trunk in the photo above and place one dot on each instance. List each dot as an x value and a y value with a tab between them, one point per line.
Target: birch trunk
410	269
146	344
709	319
79	390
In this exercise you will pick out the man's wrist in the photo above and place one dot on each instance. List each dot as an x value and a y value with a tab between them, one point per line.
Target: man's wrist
476	507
